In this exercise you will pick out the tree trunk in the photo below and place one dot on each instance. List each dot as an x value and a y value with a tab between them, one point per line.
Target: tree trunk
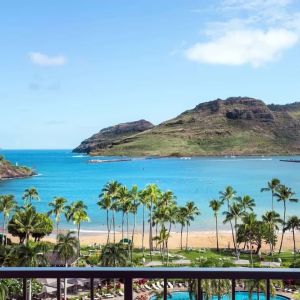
284	212
294	240
78	236
123	214
143	232
133	232
187	237
57	223
3	230
127	224
30	290
217	233
65	283
107	224
114	228
181	236
150	233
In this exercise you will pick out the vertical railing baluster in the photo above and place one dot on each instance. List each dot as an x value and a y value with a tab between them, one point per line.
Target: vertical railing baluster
92	288
233	289
268	289
59	289
25	288
165	288
199	290
128	288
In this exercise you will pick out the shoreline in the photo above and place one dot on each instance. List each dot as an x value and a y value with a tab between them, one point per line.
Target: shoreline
197	239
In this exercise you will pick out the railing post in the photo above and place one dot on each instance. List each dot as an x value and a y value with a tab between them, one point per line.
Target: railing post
233	289
199	290
165	288
92	288
24	288
128	288
59	289
268	289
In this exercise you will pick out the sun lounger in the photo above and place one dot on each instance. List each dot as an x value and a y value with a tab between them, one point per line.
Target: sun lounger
120	293
158	285
147	287
179	284
154	286
170	285
108	296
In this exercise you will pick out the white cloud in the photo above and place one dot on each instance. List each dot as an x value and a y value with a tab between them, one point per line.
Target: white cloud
254	47
41	59
255	4
251	32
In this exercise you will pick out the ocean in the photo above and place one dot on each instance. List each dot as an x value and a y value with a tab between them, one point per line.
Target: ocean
199	179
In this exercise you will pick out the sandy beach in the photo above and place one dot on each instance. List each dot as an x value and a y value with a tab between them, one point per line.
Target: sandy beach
197	239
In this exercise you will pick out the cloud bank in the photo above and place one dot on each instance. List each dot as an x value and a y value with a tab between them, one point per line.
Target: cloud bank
265	31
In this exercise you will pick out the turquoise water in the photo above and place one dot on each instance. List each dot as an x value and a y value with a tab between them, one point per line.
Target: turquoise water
66	174
238	296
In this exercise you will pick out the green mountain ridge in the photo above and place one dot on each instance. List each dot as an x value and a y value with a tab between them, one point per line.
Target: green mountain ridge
237	125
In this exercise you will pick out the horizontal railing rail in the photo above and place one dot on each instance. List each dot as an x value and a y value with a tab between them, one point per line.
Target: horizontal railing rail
128	274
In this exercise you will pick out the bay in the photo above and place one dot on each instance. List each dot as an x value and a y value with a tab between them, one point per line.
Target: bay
199	179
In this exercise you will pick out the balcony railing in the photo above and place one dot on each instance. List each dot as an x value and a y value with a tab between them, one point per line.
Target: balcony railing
128	274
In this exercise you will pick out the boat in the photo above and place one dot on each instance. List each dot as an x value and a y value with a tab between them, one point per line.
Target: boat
291	160
100	161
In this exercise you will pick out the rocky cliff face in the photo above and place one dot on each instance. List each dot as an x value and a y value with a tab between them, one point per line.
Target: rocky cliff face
106	137
9	171
237	125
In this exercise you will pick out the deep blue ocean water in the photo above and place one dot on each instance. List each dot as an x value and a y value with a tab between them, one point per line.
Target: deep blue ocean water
63	173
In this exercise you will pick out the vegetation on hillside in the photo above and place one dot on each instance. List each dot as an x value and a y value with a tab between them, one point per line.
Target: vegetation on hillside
237	125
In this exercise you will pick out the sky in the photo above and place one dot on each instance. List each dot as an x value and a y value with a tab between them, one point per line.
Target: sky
70	68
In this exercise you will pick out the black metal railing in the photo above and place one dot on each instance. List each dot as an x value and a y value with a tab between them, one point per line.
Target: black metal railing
129	274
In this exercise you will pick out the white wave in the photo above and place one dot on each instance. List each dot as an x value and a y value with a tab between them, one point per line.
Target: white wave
95	231
79	156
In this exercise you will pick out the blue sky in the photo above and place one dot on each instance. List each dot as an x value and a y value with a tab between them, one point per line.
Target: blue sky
70	68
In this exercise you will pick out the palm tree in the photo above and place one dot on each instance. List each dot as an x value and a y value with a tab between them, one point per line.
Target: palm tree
26	222
123	204
134	197
113	255
29	255
7	204
57	208
246	203
250	223
78	214
235	212
192	212
162	240
153	194
145	203
271	219
111	189
29	195
272	186
227	196
181	219
66	249
293	223
3	287
105	203
284	194
215	205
